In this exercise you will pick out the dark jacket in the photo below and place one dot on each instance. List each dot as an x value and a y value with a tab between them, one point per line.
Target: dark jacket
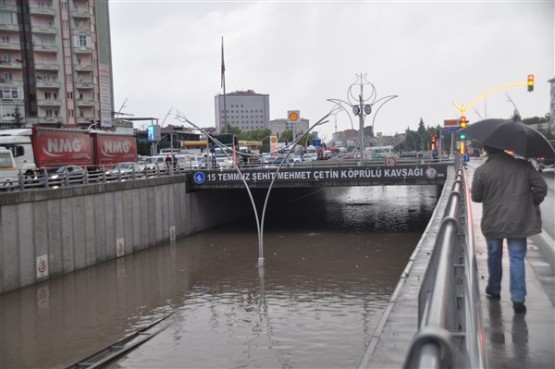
511	191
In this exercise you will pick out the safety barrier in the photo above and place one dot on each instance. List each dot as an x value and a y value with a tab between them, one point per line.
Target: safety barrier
450	333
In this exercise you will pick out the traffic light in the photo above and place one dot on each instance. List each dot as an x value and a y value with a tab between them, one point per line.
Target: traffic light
434	138
530	82
463	121
463	136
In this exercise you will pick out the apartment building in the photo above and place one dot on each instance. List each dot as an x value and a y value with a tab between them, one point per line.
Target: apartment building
55	63
246	110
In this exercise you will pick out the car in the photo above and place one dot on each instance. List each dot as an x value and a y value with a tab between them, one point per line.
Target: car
546	165
186	161
126	170
65	175
154	163
223	163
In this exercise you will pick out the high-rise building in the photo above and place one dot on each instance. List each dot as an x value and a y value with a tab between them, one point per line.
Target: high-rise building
245	110
55	62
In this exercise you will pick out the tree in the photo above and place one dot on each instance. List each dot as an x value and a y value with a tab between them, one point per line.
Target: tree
18	119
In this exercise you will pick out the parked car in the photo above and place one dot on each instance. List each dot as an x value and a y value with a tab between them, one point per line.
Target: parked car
546	165
65	175
186	161
126	170
155	162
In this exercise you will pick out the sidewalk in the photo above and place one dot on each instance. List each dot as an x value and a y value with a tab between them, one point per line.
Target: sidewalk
517	340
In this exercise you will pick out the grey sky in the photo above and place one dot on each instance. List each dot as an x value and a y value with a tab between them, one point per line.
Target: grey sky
168	54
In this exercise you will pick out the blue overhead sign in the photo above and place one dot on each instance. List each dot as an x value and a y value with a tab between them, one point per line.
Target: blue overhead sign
451	129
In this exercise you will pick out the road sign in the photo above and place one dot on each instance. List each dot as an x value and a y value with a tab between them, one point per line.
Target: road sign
293	116
450	129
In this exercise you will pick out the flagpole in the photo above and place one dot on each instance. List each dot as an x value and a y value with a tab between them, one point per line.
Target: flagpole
223	85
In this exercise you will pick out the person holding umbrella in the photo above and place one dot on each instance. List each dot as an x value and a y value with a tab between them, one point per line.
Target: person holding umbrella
510	191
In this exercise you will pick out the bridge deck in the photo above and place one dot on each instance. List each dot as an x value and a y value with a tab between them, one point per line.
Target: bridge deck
512	340
326	174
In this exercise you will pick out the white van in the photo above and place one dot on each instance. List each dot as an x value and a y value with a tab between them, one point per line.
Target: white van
187	161
9	174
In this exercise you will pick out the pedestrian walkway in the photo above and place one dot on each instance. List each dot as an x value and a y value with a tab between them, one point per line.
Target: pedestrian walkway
511	340
517	340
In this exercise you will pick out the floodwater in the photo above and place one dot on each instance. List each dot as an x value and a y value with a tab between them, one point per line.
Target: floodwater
332	261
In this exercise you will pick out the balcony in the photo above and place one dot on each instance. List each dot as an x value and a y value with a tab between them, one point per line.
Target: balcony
11	65
8	8
44	30
49	102
45	47
42	10
84	120
84	85
85	103
10	46
9	27
81	12
47	84
43	66
82	50
83	67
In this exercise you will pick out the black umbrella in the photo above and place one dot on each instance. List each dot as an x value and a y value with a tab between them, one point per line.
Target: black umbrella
511	135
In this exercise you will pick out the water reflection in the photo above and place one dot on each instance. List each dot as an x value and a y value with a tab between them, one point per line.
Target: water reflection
332	260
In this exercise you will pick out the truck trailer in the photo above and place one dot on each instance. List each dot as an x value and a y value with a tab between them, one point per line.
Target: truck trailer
40	147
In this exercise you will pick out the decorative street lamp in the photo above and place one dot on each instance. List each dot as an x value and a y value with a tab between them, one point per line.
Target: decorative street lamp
362	106
259	221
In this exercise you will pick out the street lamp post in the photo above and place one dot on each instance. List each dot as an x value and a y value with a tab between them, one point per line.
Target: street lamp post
259	221
362	106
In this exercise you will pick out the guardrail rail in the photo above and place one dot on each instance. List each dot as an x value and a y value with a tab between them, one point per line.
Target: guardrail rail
450	333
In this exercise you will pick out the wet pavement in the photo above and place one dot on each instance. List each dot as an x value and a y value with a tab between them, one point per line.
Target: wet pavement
520	340
511	340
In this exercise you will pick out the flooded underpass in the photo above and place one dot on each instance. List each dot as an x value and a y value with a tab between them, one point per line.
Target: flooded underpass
332	259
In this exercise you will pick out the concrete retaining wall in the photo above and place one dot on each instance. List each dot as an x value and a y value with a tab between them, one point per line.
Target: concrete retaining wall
44	233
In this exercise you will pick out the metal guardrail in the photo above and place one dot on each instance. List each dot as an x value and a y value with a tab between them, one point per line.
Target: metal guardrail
42	180
450	331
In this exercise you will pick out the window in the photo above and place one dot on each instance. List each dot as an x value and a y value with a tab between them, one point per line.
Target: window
8	18
5	39
47	95
10	93
82	41
69	78
70	95
7	58
64	5
8	76
65	24
67	60
70	112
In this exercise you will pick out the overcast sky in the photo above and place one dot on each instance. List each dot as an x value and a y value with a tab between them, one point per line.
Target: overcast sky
431	54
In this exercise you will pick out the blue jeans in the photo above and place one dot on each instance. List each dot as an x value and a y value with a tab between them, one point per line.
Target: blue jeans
517	252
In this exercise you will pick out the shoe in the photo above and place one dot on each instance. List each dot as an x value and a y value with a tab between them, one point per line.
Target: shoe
519	307
493	295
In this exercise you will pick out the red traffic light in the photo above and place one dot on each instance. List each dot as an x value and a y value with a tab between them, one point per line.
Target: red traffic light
530	83
463	121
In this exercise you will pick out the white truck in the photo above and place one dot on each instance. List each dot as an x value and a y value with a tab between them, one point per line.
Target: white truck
9	174
18	141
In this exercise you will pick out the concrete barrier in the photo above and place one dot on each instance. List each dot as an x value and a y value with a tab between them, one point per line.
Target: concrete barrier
44	233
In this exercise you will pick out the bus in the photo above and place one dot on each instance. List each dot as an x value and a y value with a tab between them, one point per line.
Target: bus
380	152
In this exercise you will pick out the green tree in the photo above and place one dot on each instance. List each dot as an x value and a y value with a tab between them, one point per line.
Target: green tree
18	119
